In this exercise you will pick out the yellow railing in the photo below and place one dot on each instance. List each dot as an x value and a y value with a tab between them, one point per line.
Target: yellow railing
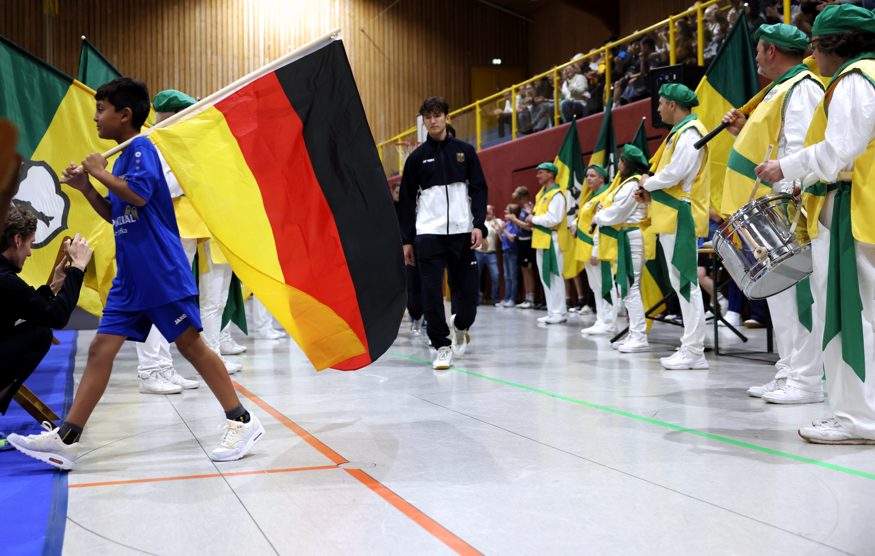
472	132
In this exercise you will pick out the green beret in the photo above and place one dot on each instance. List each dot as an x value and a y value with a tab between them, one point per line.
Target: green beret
632	153
841	18
782	35
549	166
679	93
172	100
600	170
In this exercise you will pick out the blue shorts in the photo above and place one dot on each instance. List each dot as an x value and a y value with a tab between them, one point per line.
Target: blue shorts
171	319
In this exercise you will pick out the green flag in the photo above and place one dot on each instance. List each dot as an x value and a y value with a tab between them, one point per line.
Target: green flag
640	139
94	68
731	80
605	152
570	178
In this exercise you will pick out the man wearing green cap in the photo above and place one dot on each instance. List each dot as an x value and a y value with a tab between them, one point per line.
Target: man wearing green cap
586	250
619	223
550	237
782	119
837	168
679	193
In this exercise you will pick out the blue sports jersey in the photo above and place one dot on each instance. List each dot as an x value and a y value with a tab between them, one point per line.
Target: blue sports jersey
152	267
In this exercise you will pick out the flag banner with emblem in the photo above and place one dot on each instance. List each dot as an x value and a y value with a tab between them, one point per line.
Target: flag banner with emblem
284	171
605	151
54	115
731	80
570	178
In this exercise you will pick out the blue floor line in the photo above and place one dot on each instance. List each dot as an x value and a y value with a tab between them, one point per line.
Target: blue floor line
33	497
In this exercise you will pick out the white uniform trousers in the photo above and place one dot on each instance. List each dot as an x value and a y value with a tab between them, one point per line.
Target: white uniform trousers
262	320
605	313
692	311
554	294
852	399
633	301
801	356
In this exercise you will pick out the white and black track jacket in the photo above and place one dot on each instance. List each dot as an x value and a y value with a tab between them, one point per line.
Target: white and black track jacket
443	191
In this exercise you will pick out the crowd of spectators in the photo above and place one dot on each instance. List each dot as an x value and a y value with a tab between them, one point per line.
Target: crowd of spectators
582	83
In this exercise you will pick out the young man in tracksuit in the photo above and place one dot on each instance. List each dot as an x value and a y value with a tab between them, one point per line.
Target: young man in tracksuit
442	208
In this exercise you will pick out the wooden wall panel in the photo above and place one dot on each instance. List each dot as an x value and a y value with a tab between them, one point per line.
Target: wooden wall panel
560	31
400	51
635	14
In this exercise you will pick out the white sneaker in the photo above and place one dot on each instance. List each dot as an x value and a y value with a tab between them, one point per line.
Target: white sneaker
171	376
527	304
732	318
47	447
683	360
586	310
416	327
231	366
460	338
554	319
787	394
758	391
267	334
237	439
598	329
230	347
831	431
508	303
634	346
616	345
444	359
154	382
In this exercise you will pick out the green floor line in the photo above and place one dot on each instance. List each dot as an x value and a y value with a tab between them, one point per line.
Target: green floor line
703	434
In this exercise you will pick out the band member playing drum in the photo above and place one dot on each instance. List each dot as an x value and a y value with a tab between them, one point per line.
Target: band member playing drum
782	118
836	167
678	195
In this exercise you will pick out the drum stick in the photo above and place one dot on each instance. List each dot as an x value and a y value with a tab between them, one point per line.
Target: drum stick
795	219
756	183
711	134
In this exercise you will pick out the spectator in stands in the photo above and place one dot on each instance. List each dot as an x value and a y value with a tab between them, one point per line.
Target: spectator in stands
542	105
524	109
575	92
635	84
717	28
685	43
487	254
660	56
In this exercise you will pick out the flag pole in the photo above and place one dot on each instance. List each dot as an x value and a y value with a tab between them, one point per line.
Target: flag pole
218	95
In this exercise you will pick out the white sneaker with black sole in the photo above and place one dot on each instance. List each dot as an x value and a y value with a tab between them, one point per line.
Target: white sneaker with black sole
237	439
47	447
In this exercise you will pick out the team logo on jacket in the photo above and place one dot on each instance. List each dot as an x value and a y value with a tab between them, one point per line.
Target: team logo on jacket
39	192
460	157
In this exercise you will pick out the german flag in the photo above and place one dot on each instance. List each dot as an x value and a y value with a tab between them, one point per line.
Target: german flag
54	115
284	171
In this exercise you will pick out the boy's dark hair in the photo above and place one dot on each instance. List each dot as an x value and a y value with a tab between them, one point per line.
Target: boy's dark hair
125	92
846	45
630	168
19	221
514	209
438	105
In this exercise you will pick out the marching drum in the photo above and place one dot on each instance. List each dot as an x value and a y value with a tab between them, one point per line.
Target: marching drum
760	246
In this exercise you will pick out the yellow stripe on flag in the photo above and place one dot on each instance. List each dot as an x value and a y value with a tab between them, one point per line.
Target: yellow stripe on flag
226	195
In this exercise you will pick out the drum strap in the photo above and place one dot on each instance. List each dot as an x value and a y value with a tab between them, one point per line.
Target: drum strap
625	268
684	256
550	264
844	308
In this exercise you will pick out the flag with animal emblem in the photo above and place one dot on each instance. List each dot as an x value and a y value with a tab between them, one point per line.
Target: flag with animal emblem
572	172
730	81
54	115
284	171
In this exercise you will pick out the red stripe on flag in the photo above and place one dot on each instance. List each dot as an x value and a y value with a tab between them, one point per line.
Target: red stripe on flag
270	136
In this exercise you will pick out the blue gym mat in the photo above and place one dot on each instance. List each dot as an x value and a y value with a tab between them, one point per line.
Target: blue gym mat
33	496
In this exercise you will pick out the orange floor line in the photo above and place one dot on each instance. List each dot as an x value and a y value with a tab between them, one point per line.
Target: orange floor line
437	530
204	476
